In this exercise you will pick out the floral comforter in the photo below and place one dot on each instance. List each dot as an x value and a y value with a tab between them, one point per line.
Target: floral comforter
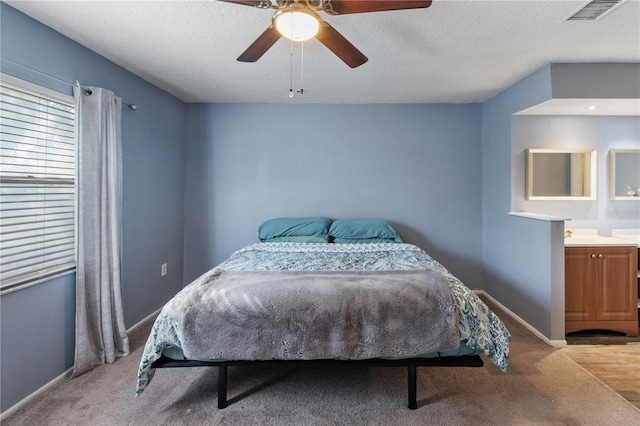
479	327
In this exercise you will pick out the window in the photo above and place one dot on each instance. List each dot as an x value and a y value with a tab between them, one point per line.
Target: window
37	184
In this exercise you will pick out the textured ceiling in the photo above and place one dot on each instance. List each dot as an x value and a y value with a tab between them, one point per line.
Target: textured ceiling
452	52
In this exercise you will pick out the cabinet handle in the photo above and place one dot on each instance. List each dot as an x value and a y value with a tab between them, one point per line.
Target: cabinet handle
600	256
593	256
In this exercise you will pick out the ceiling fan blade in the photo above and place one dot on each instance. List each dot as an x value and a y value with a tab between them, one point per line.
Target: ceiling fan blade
261	45
340	46
254	3
343	7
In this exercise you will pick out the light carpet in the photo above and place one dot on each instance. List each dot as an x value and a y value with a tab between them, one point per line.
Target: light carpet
541	386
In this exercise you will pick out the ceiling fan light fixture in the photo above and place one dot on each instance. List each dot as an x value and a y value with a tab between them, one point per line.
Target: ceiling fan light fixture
297	23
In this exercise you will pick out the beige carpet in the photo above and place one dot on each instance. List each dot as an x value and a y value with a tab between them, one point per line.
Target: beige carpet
542	386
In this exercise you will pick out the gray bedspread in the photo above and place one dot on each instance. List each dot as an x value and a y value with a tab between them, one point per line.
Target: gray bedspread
316	315
327	325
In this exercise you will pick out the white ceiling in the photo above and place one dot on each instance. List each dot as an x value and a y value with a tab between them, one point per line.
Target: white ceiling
452	52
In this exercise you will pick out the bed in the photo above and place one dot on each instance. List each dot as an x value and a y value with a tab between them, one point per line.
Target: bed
321	291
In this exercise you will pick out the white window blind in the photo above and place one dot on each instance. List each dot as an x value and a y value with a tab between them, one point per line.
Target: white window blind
37	180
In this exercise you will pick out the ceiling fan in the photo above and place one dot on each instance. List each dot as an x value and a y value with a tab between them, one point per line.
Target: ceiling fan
297	20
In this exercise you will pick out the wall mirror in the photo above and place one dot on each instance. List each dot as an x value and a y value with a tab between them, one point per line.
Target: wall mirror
554	174
624	174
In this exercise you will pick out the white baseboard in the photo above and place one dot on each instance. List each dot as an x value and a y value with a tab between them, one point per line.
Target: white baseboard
137	325
532	329
62	376
34	395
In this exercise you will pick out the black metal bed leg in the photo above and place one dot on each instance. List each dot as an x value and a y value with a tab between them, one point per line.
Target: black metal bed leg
222	386
413	402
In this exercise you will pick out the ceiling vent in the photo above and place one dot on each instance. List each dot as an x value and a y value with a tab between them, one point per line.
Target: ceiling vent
594	10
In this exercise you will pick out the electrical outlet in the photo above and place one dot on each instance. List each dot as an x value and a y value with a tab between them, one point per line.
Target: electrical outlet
164	269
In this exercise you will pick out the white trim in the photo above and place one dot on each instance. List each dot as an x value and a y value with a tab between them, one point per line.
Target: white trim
539	216
532	329
36	88
34	274
17	406
142	321
38	281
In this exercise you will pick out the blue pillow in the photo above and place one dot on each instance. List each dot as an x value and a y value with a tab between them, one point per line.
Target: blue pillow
292	227
363	240
363	229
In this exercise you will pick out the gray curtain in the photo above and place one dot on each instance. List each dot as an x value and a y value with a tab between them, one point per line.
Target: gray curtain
100	331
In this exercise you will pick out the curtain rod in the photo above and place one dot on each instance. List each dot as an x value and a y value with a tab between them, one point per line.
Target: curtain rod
86	90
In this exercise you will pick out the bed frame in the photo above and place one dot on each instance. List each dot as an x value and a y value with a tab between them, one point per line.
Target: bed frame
410	363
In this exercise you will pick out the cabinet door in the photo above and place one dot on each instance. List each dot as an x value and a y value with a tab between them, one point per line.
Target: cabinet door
580	284
617	292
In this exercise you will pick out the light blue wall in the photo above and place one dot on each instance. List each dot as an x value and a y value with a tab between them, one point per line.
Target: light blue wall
38	328
418	166
523	259
38	322
601	133
523	268
199	180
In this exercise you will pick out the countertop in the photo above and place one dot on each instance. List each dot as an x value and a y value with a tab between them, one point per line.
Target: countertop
627	234
590	238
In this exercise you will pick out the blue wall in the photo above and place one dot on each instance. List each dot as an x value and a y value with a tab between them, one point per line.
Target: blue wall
523	259
38	322
523	268
199	179
418	166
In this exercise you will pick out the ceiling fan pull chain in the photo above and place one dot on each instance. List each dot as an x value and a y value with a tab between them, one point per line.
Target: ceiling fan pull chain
291	68
301	91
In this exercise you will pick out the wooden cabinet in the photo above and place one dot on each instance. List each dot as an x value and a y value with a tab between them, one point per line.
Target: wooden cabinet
638	287
601	289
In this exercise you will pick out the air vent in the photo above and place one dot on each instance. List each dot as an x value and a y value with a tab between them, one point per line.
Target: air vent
594	10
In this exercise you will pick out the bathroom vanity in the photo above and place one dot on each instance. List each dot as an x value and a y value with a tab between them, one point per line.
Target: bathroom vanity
601	283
